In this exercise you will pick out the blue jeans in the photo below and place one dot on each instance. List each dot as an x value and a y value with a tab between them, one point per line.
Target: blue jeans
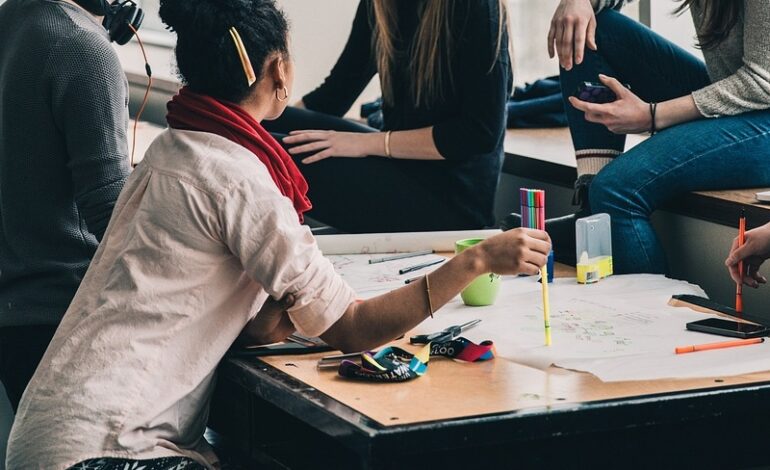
707	154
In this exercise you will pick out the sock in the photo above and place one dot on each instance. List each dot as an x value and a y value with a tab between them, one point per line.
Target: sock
590	162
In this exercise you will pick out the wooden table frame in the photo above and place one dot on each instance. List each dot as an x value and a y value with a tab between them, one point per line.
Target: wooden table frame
274	418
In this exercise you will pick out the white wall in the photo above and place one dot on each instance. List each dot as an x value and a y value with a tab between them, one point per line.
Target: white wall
677	28
318	35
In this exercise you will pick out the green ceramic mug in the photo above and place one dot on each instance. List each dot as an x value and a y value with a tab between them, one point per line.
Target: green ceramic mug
483	290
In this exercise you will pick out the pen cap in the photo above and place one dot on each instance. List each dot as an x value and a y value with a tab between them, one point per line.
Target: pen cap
593	236
532	208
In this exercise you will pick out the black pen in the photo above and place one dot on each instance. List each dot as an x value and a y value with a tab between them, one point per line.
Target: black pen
414	279
420	266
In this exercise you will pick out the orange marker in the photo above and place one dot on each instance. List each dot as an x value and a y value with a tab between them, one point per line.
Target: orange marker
720	345
741	241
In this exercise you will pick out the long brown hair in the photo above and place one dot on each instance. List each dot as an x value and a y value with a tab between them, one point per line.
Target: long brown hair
432	54
720	17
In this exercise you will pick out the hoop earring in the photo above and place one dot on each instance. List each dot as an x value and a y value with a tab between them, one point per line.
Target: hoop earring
285	94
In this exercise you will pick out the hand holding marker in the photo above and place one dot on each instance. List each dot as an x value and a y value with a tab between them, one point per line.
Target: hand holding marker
533	215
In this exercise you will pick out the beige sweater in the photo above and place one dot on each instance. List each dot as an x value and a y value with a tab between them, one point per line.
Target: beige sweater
739	67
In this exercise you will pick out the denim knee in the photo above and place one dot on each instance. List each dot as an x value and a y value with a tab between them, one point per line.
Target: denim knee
611	24
610	192
607	194
601	197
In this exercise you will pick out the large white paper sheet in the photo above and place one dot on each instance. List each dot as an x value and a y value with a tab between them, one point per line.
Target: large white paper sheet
396	242
619	329
371	280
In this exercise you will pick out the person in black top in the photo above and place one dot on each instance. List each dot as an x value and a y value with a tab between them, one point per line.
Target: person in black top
445	73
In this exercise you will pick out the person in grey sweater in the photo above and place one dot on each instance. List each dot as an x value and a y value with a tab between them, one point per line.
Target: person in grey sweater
710	121
63	162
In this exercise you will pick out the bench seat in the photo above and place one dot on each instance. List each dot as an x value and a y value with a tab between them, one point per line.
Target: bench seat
547	155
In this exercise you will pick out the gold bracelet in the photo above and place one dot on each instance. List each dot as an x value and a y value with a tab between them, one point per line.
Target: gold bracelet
387	144
427	291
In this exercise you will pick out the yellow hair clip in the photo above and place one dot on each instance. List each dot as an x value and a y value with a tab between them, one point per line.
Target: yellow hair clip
251	77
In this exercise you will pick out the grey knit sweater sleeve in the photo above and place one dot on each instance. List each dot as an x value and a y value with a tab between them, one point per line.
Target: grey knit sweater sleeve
748	87
89	104
63	153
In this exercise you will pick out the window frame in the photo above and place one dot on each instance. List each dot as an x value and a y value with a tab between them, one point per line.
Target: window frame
645	12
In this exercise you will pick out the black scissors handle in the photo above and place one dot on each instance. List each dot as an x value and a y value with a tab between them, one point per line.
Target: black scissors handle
438	337
443	335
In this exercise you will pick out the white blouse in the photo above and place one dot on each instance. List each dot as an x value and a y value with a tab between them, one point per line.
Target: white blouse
199	238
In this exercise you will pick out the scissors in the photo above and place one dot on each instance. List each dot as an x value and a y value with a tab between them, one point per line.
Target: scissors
443	335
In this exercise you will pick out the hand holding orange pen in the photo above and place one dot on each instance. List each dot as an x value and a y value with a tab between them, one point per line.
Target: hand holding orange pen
741	241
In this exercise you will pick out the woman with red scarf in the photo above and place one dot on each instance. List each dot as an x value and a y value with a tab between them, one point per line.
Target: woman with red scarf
205	247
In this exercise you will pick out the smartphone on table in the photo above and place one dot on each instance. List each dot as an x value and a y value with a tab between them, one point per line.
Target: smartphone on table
734	329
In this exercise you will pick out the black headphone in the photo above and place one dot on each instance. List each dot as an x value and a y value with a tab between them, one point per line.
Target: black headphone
119	17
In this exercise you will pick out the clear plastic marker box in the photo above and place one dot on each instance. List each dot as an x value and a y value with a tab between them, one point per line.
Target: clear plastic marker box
593	236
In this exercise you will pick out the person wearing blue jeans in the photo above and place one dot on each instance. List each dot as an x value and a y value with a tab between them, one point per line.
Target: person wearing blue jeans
710	121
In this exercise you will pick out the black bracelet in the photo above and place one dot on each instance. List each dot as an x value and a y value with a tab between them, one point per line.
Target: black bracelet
653	110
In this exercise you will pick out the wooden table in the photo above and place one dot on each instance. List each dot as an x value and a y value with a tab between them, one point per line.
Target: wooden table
497	414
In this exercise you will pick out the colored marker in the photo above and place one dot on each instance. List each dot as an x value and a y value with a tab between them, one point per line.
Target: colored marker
539	203
546	306
420	266
741	242
533	216
720	345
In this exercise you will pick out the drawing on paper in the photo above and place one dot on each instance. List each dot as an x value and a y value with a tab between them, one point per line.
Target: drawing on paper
369	280
340	262
590	324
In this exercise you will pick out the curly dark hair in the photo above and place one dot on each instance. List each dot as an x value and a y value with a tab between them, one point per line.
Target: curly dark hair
206	57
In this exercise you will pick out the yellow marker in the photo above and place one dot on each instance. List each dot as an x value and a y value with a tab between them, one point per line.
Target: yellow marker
546	306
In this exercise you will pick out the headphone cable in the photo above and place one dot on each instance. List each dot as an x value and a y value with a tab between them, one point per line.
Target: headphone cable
148	70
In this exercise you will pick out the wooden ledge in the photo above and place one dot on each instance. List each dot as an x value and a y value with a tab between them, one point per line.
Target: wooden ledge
723	207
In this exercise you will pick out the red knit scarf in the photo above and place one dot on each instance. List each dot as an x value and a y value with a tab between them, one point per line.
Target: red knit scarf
193	112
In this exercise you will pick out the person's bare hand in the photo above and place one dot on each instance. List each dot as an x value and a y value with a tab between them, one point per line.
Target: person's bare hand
518	251
271	324
629	114
325	144
573	28
753	253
